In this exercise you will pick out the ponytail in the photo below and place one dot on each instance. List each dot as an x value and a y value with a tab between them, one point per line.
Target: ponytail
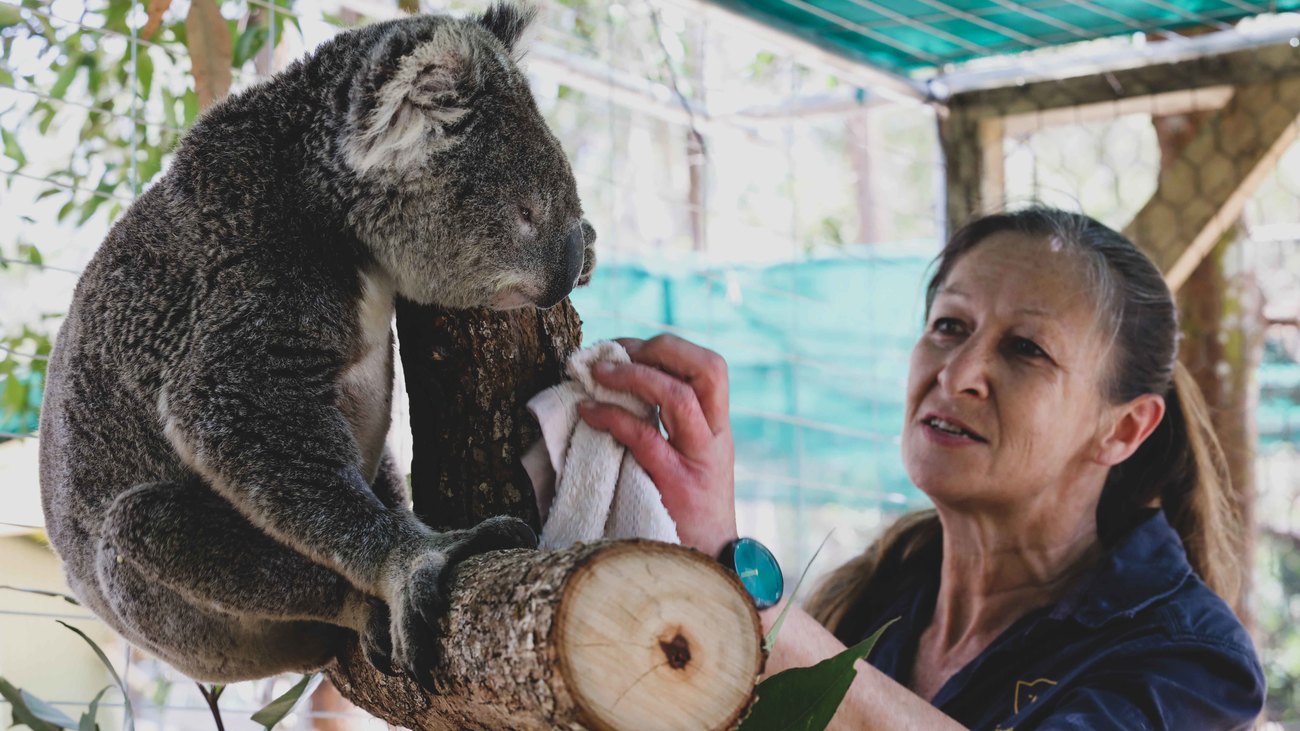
913	540
1201	507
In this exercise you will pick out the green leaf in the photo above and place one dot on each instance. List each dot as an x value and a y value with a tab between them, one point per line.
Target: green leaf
128	716
277	709
6	76
9	16
21	713
31	253
12	150
47	712
88	718
42	592
248	44
88	208
64	210
66	75
191	103
144	72
805	699
770	639
115	18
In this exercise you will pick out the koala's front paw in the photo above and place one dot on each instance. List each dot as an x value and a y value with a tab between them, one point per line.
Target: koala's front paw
421	602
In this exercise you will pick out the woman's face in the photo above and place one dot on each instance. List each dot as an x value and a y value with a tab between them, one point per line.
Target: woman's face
1004	395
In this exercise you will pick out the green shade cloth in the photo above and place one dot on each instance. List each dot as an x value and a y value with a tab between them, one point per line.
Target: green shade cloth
903	36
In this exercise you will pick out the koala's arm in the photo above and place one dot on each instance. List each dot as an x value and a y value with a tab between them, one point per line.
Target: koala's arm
253	409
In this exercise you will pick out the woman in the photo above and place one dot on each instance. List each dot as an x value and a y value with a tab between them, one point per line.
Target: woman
1070	573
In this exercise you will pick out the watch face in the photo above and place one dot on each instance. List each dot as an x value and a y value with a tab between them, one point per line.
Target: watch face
759	572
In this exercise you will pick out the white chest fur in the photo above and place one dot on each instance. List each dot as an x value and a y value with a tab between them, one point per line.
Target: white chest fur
367	384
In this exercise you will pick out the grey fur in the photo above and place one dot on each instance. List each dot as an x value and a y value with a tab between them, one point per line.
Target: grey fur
212	462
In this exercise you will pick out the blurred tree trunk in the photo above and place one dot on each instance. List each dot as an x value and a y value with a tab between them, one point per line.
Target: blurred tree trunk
1223	342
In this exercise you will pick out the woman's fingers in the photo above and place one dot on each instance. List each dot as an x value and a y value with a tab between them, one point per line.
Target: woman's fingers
704	370
679	407
659	459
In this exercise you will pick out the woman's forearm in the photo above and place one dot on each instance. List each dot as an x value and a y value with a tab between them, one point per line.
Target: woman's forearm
874	701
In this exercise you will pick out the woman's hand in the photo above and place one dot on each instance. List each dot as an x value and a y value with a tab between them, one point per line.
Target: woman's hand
693	467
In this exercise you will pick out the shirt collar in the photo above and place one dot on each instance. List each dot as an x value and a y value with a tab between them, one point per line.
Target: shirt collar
1145	566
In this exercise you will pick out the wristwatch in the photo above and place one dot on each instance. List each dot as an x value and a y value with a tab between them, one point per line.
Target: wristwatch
757	569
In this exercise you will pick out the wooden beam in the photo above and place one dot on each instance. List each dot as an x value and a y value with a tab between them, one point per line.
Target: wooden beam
1247	67
1158	105
973	165
1202	193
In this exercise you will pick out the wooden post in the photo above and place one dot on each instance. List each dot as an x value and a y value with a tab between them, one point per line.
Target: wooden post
973	164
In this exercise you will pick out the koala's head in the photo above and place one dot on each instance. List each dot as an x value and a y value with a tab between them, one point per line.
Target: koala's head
467	199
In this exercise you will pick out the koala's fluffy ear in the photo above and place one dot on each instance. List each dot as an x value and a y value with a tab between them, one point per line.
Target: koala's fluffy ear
508	22
408	114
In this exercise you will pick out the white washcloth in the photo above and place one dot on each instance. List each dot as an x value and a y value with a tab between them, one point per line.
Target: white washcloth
589	486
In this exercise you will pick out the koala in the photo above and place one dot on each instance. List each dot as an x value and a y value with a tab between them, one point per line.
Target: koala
213	470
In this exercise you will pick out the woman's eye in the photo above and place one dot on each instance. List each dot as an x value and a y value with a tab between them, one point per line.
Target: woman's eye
1027	348
948	326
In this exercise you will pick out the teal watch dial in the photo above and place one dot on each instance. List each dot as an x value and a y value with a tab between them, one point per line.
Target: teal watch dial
757	569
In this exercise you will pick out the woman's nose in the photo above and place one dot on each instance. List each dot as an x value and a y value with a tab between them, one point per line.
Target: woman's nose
966	370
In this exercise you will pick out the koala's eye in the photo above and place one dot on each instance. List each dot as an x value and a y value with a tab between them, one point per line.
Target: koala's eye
526	213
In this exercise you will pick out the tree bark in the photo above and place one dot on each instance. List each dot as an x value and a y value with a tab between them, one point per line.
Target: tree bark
612	635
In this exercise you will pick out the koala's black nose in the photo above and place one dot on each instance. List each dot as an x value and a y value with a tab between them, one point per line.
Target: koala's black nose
568	266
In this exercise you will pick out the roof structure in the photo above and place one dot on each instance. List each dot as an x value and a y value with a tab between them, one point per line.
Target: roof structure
919	40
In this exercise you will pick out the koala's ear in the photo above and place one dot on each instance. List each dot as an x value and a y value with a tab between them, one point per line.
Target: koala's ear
408	114
508	22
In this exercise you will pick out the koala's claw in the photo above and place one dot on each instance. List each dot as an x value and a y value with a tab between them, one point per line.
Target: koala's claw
417	623
377	641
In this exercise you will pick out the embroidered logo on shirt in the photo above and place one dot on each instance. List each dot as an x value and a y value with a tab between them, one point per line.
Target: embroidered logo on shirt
1027	692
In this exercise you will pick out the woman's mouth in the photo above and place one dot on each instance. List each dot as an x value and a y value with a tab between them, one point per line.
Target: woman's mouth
950	429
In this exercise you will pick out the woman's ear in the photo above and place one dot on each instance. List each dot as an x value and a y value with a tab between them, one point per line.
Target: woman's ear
1131	424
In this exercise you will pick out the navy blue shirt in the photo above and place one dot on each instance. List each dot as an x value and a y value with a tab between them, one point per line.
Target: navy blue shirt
1140	642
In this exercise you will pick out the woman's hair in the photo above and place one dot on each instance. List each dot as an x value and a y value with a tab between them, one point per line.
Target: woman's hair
1181	464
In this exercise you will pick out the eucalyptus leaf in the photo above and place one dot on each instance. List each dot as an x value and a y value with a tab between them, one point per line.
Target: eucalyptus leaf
770	639
128	716
88	718
805	699
277	709
21	713
47	712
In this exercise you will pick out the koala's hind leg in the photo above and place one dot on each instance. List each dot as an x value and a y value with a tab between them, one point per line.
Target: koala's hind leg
209	644
183	544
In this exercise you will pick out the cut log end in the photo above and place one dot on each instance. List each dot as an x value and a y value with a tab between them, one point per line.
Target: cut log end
648	639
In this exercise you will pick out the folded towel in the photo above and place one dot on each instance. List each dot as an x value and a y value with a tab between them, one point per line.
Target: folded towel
589	486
